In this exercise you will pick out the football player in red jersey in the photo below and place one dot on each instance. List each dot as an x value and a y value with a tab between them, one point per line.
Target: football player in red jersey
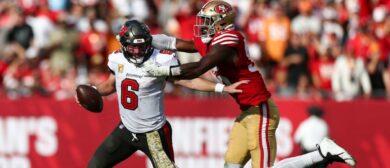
223	47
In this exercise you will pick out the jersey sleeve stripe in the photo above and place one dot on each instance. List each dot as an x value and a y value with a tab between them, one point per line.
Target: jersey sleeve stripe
226	35
224	39
228	42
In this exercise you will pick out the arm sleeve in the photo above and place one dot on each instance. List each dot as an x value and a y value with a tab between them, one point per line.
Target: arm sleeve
226	39
169	60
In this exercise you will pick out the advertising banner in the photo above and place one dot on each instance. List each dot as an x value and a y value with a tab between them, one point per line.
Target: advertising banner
45	133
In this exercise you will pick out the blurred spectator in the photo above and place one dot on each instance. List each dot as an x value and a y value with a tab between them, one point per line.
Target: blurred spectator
42	26
136	9
362	44
281	85
349	76
67	85
276	33
6	13
58	5
304	90
252	24
332	32
93	39
295	60
306	22
19	77
9	58
113	43
28	6
90	21
86	3
321	72
313	47
20	33
365	46
311	131
362	8
383	33
186	17
63	44
123	7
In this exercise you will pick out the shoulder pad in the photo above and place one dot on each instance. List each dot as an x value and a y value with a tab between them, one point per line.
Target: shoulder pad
115	55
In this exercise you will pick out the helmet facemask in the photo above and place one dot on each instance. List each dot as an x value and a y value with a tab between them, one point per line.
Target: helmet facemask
137	53
204	27
136	41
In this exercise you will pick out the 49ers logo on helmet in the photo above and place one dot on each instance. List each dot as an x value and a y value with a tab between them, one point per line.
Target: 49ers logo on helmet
222	8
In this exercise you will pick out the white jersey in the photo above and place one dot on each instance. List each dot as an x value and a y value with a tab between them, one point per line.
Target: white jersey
140	98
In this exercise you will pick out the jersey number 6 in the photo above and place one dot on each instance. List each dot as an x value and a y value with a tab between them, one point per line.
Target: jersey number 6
129	99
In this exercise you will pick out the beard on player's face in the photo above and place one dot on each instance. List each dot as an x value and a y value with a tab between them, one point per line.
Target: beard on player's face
136	54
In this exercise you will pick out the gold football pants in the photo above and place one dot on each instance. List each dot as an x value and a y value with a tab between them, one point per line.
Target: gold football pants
253	136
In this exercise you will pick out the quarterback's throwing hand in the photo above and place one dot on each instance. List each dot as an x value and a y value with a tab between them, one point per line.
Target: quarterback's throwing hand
233	87
154	70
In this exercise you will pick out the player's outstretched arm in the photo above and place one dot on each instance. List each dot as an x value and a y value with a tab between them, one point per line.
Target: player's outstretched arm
205	85
186	46
107	87
218	55
164	42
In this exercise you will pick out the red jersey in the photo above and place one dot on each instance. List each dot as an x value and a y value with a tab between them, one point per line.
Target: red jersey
324	70
242	68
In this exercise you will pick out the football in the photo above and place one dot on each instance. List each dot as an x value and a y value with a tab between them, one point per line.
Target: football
89	98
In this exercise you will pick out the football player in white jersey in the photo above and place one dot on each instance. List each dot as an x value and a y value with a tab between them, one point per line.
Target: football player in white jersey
143	123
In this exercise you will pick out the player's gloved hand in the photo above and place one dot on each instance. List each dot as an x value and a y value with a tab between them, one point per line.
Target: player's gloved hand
233	87
164	42
154	70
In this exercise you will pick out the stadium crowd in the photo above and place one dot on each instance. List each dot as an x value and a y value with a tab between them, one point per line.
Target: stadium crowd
305	49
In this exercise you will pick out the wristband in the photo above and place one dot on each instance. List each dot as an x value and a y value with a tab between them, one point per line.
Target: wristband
172	43
219	87
175	71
